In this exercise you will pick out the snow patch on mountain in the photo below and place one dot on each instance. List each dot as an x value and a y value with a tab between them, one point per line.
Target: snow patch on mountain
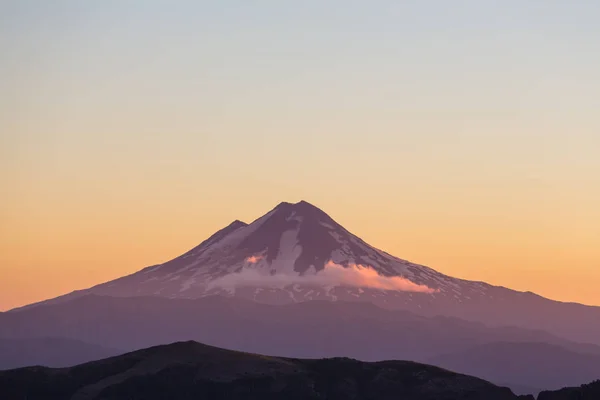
289	251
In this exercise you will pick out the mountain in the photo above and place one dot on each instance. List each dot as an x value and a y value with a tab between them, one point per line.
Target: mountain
315	329
540	365
49	351
189	370
296	252
590	391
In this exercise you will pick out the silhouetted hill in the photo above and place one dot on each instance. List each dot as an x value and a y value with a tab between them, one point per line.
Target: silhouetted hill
590	391
189	370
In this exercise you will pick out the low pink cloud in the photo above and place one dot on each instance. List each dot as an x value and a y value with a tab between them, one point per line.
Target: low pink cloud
367	277
333	274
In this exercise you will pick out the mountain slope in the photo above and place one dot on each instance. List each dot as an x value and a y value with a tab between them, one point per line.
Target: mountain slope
296	253
49	351
540	365
189	370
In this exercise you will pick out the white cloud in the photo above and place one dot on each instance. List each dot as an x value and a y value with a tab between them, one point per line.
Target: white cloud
333	275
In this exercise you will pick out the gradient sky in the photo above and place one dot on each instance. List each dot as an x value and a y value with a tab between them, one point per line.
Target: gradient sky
464	135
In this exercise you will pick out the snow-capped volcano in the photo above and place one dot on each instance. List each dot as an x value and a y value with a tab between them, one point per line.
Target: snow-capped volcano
295	252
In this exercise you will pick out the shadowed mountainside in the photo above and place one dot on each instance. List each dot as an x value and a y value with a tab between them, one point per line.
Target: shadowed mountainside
307	329
313	329
50	351
189	370
531	365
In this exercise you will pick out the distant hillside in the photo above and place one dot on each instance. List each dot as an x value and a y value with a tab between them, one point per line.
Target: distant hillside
189	370
50	352
312	329
530	365
518	358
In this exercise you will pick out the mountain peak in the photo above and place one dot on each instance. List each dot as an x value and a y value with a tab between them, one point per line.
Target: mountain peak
300	204
301	209
237	224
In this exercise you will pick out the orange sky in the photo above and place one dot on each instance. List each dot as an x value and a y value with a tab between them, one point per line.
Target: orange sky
467	141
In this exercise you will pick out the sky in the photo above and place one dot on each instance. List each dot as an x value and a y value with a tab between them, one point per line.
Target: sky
461	135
